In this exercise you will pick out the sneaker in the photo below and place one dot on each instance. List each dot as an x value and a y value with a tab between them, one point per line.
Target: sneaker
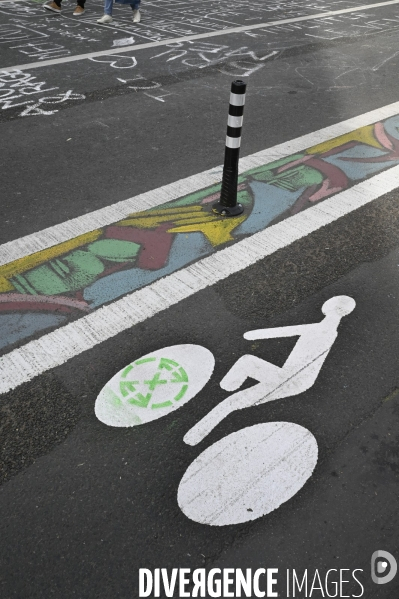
79	10
105	19
136	16
52	6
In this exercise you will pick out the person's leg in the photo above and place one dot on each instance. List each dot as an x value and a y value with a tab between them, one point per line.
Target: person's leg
107	16
108	7
135	5
80	8
54	6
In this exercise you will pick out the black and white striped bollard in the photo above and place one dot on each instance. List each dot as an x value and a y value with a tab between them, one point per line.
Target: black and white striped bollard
227	205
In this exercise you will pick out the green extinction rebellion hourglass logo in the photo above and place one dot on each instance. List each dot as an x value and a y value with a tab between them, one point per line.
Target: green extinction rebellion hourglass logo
153	379
153	386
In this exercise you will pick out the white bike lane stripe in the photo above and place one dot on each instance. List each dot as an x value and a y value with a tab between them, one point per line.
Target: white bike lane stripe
55	348
199	36
51	236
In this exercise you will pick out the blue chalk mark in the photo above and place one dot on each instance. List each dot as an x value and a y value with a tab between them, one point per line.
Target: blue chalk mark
391	126
186	248
360	170
15	327
269	202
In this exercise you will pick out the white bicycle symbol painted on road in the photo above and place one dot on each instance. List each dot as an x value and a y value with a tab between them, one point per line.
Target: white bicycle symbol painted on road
249	473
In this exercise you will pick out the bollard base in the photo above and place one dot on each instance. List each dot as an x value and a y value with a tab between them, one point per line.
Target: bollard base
227	210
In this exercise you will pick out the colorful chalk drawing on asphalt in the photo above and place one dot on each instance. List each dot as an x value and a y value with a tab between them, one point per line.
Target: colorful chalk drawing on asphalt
249	473
82	274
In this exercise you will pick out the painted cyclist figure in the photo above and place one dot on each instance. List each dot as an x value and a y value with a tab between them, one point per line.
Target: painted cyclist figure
253	471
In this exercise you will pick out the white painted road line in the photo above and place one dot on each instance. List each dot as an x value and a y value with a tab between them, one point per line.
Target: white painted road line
41	240
199	36
56	348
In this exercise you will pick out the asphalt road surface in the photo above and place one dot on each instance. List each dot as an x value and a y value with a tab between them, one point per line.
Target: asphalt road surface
123	298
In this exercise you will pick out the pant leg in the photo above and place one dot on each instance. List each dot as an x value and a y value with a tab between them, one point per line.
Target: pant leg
81	3
58	3
108	7
135	5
